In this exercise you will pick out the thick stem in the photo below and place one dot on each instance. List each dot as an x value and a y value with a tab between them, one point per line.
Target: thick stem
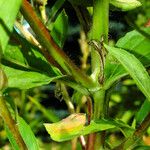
94	139
99	30
100	20
47	42
5	114
99	97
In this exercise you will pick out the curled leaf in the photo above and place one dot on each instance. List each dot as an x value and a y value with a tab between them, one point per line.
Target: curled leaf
74	126
68	126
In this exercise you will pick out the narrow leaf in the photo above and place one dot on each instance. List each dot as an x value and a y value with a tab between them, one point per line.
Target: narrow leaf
134	67
143	112
142	148
133	42
8	12
25	66
27	134
11	138
56	7
137	44
25	79
59	31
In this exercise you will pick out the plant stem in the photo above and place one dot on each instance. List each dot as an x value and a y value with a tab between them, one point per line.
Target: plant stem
54	50
99	97
83	17
5	114
100	20
94	139
99	30
90	109
67	98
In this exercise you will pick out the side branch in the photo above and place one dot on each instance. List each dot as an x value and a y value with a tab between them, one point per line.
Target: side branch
54	50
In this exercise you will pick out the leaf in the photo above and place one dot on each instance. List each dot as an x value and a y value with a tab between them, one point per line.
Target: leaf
56	7
25	66
143	112
8	12
126	5
135	43
25	79
27	134
21	53
134	67
11	138
66	127
60	28
74	126
142	148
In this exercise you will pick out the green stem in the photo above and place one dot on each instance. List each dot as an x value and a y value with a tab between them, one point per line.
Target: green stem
94	139
99	97
67	99
47	42
5	114
71	83
99	30
100	20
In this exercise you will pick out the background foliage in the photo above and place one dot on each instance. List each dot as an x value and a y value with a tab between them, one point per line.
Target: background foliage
33	100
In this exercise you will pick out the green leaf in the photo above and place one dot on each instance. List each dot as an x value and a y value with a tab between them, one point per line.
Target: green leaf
60	28
23	55
53	12
25	66
142	148
135	43
25	79
27	134
125	5
74	126
134	67
67	127
143	112
8	12
11	138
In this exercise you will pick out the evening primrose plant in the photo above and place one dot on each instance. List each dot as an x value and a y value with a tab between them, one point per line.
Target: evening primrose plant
35	57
